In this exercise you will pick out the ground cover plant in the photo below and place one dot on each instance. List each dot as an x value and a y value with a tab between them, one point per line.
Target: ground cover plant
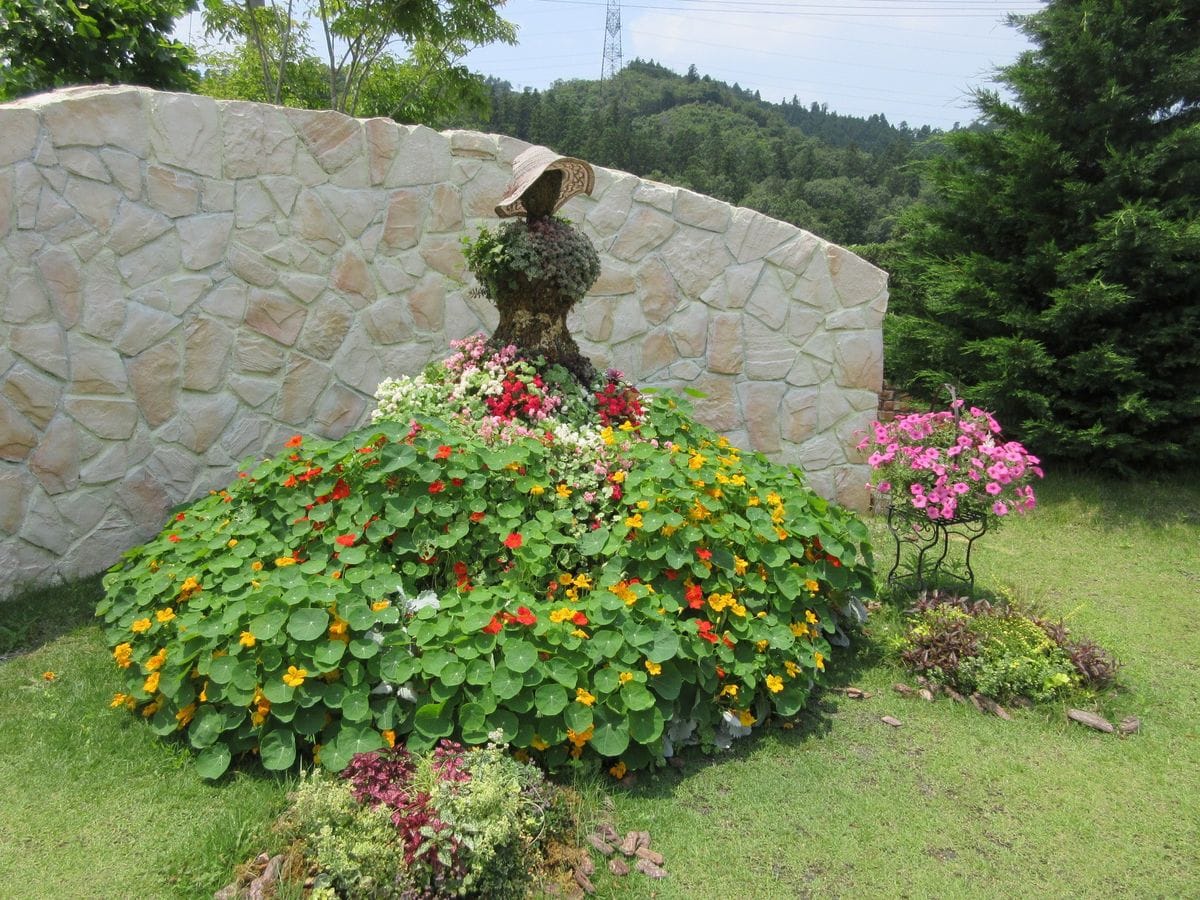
579	571
960	803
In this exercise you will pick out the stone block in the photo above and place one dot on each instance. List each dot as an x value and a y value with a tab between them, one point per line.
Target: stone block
60	274
485	187
796	254
383	140
808	370
172	193
406	211
155	379
689	329
314	223
858	358
333	139
304	381
769	353
855	280
254	392
645	230
204	239
656	194
18	137
25	300
423	157
283	189
7	193
352	278
326	326
354	209
446	210
460	318
726	344
253	203
821	452
246	435
106	417
227	301
135	226
206	350
473	144
612	208
126	170
34	394
43	345
696	259
55	463
18	437
358	363
427	304
99	117
275	316
799	414
115	459
701	211
761	408
185	132
171	470
657	289
256	140
445	255
615	280
658	353
104	301
143	327
751	235
84	163
14	489
339	410
769	301
718	409
202	419
95	367
256	354
96	202
158	259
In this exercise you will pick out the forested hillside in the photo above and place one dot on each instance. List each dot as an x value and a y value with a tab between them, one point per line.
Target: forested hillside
842	177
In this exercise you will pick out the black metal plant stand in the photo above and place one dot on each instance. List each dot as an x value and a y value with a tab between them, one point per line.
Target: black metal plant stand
931	539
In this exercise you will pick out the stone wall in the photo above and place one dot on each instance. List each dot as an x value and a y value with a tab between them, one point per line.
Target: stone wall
187	282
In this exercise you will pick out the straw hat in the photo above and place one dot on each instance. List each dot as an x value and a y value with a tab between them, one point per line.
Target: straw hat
577	178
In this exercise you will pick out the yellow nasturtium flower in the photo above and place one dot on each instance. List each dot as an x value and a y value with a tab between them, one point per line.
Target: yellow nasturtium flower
141	626
584	697
294	677
247	639
774	684
653	668
285	561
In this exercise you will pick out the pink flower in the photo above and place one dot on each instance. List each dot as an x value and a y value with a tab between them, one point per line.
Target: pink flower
993	488
999	508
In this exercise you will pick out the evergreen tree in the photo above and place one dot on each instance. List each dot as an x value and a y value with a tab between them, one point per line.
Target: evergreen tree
1055	274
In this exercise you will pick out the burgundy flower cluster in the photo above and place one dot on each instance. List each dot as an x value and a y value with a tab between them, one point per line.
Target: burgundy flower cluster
618	402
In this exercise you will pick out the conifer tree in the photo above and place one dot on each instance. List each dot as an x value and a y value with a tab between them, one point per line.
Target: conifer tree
1054	276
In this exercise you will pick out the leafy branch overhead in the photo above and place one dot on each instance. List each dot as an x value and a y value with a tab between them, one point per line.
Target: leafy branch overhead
373	57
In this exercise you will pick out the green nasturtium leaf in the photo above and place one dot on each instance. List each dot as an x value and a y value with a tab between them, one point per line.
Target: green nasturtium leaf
307	624
277	749
212	762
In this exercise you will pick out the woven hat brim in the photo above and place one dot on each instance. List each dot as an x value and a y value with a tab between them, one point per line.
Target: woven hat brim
578	178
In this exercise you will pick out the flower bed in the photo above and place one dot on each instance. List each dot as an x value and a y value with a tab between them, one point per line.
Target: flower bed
496	555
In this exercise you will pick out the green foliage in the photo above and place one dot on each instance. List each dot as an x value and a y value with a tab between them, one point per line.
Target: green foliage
359	74
998	651
1055	275
413	582
547	256
452	822
841	177
46	44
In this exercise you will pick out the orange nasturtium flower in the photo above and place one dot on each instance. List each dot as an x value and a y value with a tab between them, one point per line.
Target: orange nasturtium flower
155	662
285	561
151	683
380	605
390	736
295	440
165	615
141	626
123	653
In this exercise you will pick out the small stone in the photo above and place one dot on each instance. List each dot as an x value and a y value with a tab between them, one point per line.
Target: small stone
977	702
1091	720
891	720
587	867
653	855
857	693
925	694
903	689
584	882
229	892
954	695
631	843
649	869
618	867
996	709
643	840
1130	725
608	832
602	846
263	886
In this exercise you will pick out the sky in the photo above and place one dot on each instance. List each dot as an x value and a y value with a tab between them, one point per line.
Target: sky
915	61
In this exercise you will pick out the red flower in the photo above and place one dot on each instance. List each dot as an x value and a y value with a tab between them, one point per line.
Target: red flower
704	630
341	490
513	541
290	481
524	616
457	482
671	574
493	627
295	440
437	487
579	619
180	517
443	452
694	595
705	555
477	516
173	538
460	568
720	672
834	561
346	540
310	474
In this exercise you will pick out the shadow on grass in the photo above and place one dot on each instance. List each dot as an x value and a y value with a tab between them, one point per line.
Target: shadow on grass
40	615
813	722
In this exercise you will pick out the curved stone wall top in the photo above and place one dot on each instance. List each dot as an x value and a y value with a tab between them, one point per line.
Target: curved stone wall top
187	282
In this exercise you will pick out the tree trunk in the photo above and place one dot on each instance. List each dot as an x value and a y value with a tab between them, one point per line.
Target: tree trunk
535	321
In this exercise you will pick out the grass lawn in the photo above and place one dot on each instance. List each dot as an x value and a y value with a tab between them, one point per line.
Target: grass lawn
951	804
